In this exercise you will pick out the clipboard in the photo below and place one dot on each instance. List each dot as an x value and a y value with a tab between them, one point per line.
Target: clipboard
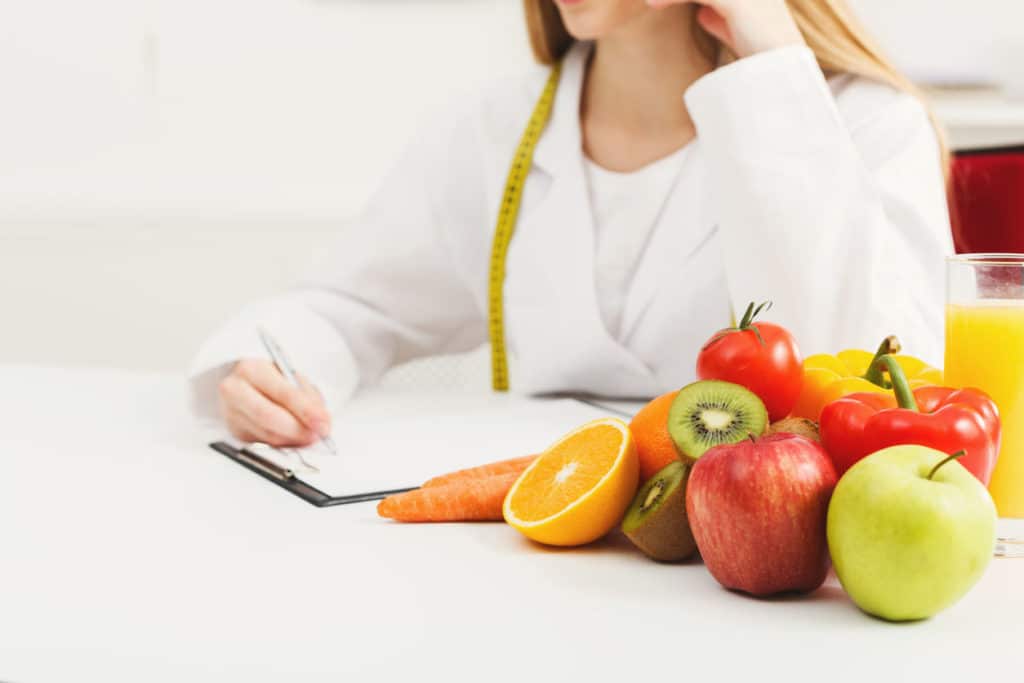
470	431
295	486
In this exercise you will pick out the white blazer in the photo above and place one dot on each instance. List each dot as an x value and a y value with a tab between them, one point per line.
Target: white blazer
825	197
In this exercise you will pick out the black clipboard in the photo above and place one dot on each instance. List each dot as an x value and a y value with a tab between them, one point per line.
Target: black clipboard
318	498
296	486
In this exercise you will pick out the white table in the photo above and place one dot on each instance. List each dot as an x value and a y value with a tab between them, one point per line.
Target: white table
131	552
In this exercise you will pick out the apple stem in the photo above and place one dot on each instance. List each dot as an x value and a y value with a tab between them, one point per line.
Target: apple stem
753	439
875	373
956	456
904	396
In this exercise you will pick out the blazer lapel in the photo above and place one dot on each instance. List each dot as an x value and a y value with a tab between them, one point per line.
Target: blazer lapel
551	264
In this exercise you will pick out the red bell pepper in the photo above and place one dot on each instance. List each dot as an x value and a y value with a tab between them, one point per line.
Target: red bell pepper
938	417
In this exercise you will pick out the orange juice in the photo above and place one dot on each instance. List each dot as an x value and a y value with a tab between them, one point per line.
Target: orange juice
985	350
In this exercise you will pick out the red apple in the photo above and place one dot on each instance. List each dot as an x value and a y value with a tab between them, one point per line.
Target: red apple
758	510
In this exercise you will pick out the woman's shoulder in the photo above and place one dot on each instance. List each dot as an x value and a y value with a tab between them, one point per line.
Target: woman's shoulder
864	103
500	107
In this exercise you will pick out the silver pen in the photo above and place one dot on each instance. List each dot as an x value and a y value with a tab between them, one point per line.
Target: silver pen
285	368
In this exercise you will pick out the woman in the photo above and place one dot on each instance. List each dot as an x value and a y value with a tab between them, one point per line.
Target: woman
698	156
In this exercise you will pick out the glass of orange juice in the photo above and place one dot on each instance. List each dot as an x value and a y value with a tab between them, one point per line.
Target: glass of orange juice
985	350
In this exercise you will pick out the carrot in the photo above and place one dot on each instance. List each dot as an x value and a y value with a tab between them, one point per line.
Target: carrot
468	500
513	465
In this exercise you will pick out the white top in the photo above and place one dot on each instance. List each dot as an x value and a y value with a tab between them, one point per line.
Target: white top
132	552
626	207
824	196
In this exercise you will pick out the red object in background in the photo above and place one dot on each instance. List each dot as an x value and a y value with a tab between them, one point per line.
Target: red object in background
987	201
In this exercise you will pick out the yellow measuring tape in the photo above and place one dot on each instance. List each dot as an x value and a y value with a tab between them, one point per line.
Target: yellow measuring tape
507	215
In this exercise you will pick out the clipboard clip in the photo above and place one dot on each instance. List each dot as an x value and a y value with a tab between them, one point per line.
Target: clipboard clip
265	465
286	478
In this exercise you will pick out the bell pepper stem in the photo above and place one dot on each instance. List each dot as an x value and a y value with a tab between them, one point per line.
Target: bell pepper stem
875	375
956	456
900	385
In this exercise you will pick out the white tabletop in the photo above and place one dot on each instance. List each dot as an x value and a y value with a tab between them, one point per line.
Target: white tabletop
129	551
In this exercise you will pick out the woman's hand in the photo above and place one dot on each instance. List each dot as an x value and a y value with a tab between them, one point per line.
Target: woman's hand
745	26
258	404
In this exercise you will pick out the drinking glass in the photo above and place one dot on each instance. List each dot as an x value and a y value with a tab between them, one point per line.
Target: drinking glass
985	350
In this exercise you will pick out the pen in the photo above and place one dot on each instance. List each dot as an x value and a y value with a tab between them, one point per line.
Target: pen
285	368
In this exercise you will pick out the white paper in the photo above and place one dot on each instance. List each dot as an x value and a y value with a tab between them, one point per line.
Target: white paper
387	441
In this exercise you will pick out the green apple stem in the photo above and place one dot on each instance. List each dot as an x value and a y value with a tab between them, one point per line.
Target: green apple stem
904	396
956	456
875	373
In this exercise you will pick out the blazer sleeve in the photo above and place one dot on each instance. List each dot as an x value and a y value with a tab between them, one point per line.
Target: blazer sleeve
389	289
832	206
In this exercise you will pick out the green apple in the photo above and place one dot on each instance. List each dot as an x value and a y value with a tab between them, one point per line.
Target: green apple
907	539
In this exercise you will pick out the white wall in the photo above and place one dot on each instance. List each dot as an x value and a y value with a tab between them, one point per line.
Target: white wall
228	107
165	161
951	41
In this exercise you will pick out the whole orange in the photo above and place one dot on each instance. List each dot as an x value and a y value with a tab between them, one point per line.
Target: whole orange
654	446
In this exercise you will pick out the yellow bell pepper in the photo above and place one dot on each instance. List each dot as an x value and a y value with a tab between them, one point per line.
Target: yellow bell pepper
827	378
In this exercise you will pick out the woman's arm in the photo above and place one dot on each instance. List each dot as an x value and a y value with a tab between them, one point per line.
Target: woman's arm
746	27
836	212
388	290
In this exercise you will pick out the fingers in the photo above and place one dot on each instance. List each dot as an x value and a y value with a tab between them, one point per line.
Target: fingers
746	27
307	385
714	23
667	3
303	403
720	5
252	416
244	429
711	15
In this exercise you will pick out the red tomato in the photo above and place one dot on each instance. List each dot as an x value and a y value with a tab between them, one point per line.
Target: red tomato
766	361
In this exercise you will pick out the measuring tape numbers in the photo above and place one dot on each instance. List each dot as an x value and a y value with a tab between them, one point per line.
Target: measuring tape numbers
508	212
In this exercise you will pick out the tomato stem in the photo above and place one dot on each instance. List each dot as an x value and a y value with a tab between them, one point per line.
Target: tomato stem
747	322
747	317
746	325
956	456
875	374
752	313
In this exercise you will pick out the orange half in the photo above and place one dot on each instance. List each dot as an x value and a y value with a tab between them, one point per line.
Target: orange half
577	490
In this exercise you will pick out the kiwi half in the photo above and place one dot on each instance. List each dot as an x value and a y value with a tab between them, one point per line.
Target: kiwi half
656	521
710	413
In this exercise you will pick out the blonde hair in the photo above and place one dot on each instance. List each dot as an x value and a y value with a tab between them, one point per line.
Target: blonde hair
839	41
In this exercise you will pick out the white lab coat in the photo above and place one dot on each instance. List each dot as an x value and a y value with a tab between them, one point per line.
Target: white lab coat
825	197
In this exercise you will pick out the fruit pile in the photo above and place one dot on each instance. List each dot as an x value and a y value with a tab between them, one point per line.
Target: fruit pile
892	492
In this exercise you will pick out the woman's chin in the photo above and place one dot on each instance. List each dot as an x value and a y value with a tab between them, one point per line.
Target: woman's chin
583	27
594	19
